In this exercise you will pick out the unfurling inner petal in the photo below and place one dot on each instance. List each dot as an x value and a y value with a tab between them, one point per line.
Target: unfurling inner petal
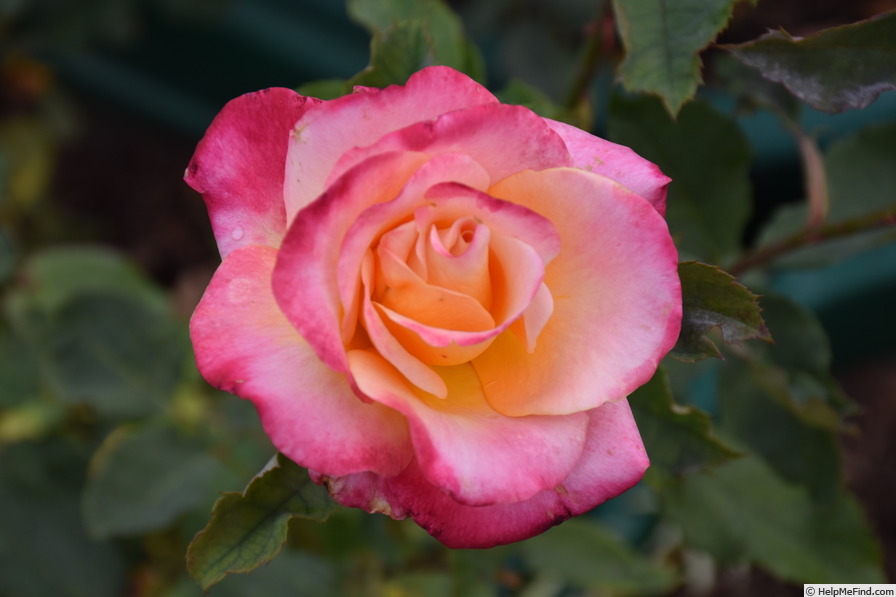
439	288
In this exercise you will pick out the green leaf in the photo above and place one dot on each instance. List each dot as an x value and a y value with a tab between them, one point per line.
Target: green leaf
584	554
111	351
743	511
19	371
522	94
43	547
396	54
860	171
679	439
838	69
291	574
100	331
409	35
756	407
55	276
662	39
248	529
142	479
707	157
325	89
714	299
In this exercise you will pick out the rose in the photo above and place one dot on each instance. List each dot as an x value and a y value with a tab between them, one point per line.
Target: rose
438	303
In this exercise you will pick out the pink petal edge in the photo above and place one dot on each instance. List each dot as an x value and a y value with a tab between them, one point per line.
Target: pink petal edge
613	461
245	345
238	167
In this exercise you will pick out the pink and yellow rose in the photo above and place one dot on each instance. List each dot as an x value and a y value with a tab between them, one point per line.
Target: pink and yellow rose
438	303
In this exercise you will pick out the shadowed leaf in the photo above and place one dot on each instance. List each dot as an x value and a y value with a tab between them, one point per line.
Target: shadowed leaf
838	69
679	439
714	299
248	529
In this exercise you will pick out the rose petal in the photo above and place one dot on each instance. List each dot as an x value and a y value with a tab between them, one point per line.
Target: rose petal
503	139
304	279
613	460
359	119
616	162
617	298
245	345
463	268
384	340
238	167
464	447
535	318
377	219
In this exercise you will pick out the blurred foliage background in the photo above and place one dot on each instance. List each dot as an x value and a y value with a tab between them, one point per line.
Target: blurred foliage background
113	450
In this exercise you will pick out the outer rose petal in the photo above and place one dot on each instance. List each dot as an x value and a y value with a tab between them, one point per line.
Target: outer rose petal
613	460
245	345
617	298
616	162
357	120
502	139
238	167
464	447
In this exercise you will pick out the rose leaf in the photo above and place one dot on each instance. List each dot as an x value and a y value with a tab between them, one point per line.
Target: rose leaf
662	39
44	548
248	529
583	553
679	439
141	479
713	298
744	511
760	407
837	69
409	35
708	158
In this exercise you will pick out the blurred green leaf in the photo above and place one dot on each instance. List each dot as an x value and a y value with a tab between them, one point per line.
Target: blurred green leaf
743	511
679	439
582	553
708	159
325	89
9	255
714	299
142	479
662	39
838	69
107	350
396	54
409	35
44	551
291	574
782	400
860	171
756	405
248	529
801	344
523	94
421	584
19	371
100	331
54	276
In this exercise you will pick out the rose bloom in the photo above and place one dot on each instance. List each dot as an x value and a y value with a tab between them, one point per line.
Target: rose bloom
438	303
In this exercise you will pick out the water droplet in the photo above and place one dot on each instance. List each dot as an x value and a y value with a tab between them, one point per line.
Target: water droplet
237	233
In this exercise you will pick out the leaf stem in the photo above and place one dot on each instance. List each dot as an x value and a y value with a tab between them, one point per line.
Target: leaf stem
811	236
